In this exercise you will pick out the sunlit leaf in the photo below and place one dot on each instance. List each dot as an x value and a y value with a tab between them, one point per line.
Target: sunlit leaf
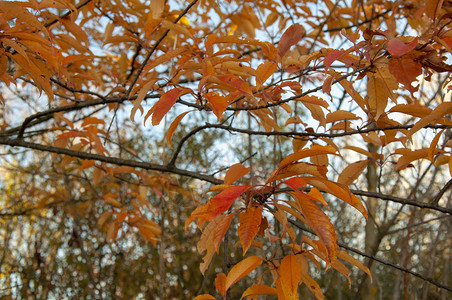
235	172
249	226
290	276
242	269
259	289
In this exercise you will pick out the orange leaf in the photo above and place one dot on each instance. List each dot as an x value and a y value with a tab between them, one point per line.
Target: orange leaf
163	58
205	243
220	284
235	172
259	289
341	192
432	7
218	103
450	165
249	226
242	269
204	297
164	104
340	115
398	48
290	37
410	156
380	87
157	7
434	143
303	153
220	230
352	172
12	9
351	260
265	70
439	112
172	128
341	268
290	276
318	221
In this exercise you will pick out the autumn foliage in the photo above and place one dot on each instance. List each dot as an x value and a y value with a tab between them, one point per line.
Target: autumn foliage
335	92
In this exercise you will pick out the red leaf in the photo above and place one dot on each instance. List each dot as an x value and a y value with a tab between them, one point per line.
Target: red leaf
331	57
221	202
405	71
398	48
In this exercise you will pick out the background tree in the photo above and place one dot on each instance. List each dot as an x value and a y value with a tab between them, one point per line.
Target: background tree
181	149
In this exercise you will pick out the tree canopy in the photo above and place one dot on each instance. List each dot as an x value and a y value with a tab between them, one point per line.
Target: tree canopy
200	149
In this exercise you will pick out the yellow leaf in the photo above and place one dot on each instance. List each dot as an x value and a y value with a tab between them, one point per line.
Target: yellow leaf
290	276
249	226
242	269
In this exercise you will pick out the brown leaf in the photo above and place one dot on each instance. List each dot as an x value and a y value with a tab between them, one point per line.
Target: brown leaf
290	37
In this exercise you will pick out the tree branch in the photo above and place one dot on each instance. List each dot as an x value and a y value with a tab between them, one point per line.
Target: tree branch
111	160
380	260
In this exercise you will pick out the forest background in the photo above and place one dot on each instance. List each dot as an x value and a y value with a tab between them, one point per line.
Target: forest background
225	149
